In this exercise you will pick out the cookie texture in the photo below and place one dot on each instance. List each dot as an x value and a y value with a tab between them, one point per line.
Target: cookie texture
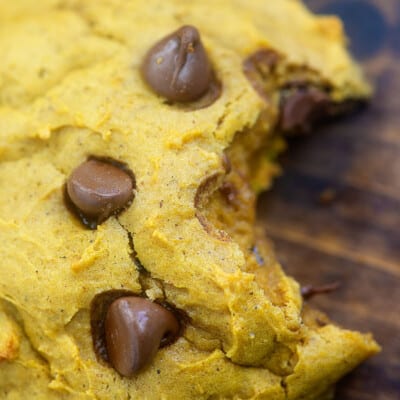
71	88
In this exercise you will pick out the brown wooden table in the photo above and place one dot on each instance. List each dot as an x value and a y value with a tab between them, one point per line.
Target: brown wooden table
334	214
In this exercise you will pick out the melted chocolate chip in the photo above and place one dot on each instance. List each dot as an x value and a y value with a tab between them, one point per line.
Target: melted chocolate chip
260	62
344	108
301	108
99	189
177	67
135	328
258	68
211	96
304	106
98	311
310	291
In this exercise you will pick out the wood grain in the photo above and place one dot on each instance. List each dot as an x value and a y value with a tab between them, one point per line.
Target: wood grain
334	214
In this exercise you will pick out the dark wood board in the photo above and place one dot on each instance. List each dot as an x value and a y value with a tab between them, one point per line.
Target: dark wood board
334	214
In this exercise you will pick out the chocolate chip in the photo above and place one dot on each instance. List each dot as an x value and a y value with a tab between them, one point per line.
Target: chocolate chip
211	96
135	328
99	189
98	311
262	62
177	67
344	108
310	291
301	108
258	68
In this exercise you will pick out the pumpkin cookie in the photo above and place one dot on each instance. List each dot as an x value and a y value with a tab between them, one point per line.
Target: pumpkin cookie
134	138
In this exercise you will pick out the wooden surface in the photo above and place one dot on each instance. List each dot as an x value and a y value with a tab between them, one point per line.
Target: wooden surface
334	215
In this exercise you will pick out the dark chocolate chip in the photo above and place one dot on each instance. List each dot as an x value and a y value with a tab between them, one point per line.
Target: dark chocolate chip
135	329
320	322
99	189
177	67
98	311
211	96
301	108
262	61
258	67
310	291
344	108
